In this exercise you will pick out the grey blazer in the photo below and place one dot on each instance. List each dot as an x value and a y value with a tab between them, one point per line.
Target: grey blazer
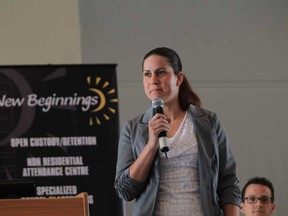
219	183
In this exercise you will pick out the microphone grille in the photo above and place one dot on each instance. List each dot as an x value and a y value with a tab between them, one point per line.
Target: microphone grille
157	102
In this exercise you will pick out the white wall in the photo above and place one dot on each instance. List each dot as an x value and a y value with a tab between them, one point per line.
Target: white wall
39	32
234	54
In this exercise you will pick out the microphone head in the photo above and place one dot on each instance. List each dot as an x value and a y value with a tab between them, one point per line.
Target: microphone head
157	102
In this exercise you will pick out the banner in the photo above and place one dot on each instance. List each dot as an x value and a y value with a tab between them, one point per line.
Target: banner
59	125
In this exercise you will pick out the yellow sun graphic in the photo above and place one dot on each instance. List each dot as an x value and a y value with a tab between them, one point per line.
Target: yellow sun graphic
107	100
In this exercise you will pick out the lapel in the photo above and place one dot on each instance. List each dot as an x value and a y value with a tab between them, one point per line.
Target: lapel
200	120
143	129
143	124
203	132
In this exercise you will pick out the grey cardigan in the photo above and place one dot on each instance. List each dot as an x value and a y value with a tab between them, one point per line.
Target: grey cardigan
219	183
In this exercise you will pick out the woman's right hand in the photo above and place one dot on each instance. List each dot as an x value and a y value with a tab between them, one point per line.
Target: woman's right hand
156	125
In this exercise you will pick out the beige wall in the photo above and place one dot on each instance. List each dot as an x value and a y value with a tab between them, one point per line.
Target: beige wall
39	32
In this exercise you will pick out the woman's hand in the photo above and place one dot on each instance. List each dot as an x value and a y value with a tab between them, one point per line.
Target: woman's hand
140	169
156	125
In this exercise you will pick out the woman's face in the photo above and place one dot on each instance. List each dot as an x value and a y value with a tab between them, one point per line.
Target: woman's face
159	79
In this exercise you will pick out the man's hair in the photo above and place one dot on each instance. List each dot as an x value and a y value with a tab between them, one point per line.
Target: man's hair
259	180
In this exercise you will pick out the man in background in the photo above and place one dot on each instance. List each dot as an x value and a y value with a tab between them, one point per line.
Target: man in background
258	197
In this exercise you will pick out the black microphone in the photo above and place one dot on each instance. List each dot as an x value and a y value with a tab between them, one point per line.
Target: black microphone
157	105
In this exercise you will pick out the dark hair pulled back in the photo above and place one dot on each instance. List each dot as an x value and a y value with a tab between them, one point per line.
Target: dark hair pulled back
186	94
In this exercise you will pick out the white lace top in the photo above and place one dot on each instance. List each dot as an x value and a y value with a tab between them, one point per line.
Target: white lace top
178	193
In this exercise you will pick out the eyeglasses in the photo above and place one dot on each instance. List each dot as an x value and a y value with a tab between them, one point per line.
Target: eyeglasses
254	199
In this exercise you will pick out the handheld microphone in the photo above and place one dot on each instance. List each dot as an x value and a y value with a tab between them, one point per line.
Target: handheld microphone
157	105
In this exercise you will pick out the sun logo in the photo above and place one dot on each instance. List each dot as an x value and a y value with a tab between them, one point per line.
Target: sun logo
106	100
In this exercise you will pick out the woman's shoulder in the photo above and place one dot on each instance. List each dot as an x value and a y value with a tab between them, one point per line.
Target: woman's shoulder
141	118
199	111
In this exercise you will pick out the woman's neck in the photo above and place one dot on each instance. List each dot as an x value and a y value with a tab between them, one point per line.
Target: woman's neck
174	112
175	116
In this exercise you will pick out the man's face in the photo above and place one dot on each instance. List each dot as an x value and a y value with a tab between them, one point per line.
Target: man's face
259	207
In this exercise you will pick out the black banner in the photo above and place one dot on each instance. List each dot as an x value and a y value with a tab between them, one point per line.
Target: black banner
59	125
